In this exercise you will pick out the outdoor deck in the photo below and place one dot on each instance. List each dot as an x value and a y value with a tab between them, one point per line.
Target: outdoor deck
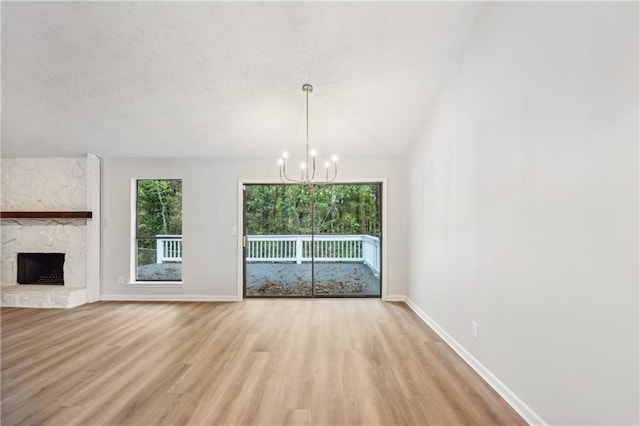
331	279
288	279
280	265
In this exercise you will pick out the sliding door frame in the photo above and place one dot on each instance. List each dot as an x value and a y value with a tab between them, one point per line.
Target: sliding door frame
241	227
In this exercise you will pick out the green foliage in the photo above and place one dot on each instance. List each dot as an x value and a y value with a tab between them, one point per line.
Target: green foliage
159	209
287	209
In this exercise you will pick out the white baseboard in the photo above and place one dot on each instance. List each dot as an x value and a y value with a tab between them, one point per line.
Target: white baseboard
511	398
395	298
168	298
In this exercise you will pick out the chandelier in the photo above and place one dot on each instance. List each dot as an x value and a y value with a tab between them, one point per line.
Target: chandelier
308	167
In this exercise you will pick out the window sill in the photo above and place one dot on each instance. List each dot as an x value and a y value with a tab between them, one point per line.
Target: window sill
155	284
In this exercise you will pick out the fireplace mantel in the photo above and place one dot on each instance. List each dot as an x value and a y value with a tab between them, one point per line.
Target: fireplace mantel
47	215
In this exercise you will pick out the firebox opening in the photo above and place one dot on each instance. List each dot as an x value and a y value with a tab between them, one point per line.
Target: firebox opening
41	268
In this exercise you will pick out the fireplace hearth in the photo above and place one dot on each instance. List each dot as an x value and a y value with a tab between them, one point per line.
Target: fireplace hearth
41	268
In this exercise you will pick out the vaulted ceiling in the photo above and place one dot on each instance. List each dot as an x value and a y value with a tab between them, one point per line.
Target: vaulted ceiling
185	79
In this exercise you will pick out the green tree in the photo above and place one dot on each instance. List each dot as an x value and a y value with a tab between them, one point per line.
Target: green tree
159	208
287	209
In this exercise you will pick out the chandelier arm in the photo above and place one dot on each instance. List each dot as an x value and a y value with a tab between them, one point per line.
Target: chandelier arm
313	175
335	172
287	179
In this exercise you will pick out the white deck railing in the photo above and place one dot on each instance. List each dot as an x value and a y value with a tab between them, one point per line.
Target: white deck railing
291	248
328	248
168	248
371	253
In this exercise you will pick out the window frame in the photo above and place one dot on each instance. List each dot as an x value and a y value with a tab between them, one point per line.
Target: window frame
133	244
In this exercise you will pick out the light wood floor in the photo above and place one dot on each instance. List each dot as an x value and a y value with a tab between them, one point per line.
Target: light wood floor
263	362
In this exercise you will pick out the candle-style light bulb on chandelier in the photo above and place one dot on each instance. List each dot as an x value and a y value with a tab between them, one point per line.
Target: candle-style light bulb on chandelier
308	167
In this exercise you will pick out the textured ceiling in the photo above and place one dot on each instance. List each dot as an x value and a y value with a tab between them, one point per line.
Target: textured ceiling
158	79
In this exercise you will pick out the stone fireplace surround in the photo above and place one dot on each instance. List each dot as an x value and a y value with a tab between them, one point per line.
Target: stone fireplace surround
51	184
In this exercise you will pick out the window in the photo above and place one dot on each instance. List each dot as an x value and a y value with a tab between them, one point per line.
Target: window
158	227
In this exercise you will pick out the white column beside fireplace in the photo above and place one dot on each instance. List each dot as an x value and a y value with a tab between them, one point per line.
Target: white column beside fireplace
45	185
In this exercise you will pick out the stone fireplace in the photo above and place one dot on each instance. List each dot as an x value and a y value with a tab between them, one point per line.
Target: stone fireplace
41	251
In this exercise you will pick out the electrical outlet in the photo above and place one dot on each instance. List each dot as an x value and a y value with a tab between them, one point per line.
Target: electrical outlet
234	231
475	329
121	279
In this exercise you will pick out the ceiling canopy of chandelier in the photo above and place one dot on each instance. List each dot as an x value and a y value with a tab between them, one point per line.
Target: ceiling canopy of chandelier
308	175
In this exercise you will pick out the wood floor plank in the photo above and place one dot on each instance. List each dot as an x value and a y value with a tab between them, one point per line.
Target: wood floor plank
256	362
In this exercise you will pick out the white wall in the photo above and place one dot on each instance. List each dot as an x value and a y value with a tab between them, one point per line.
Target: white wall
210	210
524	206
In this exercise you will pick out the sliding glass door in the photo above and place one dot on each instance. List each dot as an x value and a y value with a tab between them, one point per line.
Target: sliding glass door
347	231
277	244
319	241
